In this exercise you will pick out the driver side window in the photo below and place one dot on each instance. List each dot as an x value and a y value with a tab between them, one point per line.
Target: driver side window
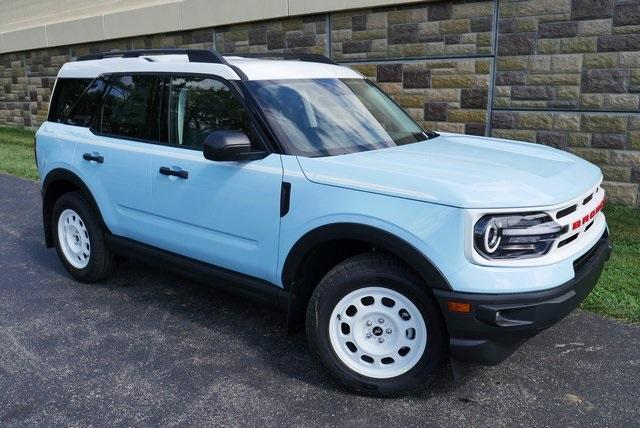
197	106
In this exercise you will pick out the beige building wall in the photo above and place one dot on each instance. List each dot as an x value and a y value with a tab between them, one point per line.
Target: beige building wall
34	24
20	14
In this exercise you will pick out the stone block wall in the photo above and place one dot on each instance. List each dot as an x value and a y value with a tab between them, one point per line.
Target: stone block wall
451	28
569	54
449	95
15	107
307	34
564	73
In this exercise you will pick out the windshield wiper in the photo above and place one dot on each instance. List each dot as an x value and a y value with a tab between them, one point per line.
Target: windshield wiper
430	134
425	135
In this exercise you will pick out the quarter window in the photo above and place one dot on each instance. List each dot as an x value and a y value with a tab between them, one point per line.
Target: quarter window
67	92
129	108
83	110
197	106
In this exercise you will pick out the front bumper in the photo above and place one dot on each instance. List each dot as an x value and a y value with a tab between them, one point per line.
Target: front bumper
498	324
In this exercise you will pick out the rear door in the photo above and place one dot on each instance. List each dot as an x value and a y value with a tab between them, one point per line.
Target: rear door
115	155
223	213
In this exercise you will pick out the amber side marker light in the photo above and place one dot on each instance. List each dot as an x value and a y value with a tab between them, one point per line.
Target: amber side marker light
458	306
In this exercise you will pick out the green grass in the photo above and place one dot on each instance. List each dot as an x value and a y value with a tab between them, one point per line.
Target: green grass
16	152
616	295
618	292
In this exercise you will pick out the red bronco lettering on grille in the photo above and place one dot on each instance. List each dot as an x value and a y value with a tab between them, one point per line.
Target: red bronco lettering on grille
576	224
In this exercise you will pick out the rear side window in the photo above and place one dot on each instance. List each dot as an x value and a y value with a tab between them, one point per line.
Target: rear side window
129	108
66	93
84	109
197	106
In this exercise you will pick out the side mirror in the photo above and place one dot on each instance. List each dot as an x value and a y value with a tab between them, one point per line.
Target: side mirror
229	146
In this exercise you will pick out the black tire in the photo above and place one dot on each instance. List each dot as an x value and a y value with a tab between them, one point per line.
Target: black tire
384	271
101	260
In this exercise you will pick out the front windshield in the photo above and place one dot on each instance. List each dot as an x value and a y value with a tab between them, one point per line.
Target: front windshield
325	117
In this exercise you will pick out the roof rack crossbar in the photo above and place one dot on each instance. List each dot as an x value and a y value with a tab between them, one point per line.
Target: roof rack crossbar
194	55
307	57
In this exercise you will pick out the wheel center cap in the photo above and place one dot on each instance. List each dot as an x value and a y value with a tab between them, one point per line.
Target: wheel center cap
377	331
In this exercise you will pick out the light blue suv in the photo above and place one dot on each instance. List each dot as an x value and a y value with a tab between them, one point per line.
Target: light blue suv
300	183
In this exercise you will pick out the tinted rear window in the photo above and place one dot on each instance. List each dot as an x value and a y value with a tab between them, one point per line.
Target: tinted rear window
66	93
129	108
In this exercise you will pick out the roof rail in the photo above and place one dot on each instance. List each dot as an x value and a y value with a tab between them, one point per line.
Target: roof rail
207	55
308	57
194	55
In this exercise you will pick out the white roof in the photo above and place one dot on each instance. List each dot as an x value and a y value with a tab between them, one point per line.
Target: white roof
267	69
255	69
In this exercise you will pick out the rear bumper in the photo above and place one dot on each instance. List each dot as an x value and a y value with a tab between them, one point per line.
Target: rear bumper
499	323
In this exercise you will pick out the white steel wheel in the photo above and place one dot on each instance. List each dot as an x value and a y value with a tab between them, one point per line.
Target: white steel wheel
74	239
377	332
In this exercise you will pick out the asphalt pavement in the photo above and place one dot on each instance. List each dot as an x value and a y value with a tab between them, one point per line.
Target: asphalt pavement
148	348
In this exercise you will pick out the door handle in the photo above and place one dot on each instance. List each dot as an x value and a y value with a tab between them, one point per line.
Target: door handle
165	170
92	157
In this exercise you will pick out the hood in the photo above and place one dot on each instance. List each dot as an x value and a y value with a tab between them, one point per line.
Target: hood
462	171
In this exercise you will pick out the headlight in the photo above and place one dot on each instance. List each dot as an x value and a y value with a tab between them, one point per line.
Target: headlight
515	236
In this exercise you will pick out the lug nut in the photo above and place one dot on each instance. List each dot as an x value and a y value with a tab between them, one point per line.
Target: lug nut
369	323
389	331
381	339
381	320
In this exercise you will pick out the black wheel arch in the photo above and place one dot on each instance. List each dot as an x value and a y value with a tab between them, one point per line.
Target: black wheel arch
56	183
359	232
375	239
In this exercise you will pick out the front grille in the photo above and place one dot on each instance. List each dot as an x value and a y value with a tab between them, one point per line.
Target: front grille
577	218
565	212
568	240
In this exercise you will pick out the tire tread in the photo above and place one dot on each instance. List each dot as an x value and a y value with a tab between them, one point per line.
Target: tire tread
382	266
102	262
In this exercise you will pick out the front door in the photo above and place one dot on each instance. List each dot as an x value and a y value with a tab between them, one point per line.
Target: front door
222	213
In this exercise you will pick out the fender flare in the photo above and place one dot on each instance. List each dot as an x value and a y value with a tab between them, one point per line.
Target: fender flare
373	235
57	175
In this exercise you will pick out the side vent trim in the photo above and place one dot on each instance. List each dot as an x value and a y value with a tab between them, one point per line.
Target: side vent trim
285	198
